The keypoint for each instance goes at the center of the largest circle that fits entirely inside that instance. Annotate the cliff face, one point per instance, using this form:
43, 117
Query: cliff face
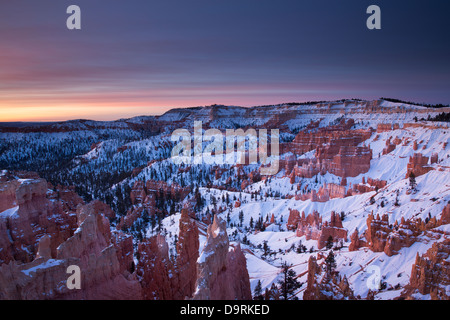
445, 216
155, 269
404, 235
325, 193
356, 241
30, 215
222, 272
219, 273
313, 228
293, 219
346, 161
48, 230
143, 196
102, 274
418, 164
337, 151
377, 232
390, 238
430, 273
164, 277
187, 250
321, 286
333, 230
309, 226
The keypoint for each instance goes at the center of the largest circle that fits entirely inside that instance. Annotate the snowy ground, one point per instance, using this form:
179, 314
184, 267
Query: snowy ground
433, 193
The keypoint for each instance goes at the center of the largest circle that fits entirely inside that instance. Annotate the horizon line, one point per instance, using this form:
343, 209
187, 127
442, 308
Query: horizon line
292, 103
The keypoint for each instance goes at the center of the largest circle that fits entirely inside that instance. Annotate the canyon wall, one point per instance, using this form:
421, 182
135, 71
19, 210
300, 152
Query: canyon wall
222, 272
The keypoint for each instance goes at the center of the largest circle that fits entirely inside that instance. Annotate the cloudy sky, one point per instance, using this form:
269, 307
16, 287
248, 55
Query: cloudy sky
140, 57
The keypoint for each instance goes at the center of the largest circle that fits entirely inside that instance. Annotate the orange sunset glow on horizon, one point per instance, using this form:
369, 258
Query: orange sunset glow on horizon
53, 107
100, 111
144, 58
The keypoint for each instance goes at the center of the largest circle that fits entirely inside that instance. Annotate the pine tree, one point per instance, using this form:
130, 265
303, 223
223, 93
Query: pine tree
172, 209
412, 181
263, 226
258, 224
266, 248
289, 283
330, 263
258, 292
329, 243
145, 216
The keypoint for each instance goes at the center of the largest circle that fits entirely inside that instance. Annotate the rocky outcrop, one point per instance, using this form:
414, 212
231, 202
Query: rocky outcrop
331, 190
333, 230
236, 276
384, 127
418, 164
8, 187
133, 214
309, 226
383, 237
222, 272
66, 195
389, 147
90, 248
293, 220
377, 232
325, 193
376, 183
140, 191
445, 216
337, 151
164, 277
212, 259
307, 168
404, 234
155, 270
144, 197
313, 228
348, 161
313, 137
187, 254
35, 214
272, 219
430, 273
219, 273
351, 161
51, 229
247, 179
356, 241
123, 243
321, 286
103, 276
288, 164
312, 291
335, 191
434, 158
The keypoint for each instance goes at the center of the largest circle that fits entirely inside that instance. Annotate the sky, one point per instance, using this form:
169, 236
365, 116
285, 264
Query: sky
144, 57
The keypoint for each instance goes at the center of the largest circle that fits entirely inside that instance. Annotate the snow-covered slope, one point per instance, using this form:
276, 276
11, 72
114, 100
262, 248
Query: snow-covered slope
107, 160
